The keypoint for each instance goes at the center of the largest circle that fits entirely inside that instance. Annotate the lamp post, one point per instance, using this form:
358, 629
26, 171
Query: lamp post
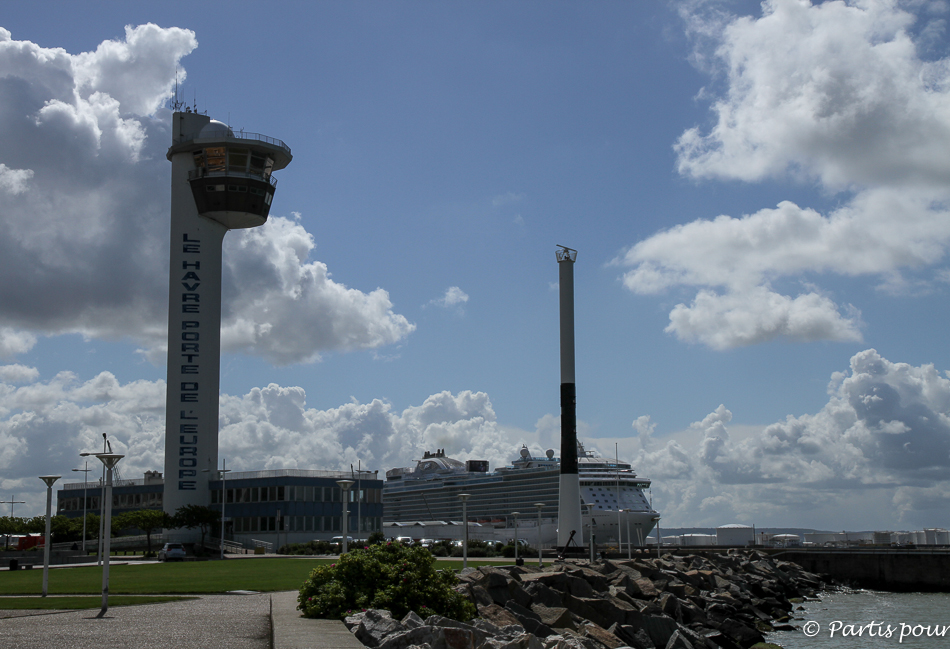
224, 497
539, 506
109, 460
590, 511
516, 515
464, 498
359, 498
629, 538
345, 487
49, 480
85, 480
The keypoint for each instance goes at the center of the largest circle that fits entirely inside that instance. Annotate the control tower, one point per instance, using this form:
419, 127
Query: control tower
221, 180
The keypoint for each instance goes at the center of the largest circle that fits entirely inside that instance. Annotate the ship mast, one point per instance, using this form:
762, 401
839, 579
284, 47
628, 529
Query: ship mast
570, 525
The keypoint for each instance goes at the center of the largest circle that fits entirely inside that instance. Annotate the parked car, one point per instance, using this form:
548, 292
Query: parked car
172, 552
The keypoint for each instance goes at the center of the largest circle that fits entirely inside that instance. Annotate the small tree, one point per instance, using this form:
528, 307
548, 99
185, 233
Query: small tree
147, 520
11, 525
192, 516
35, 525
389, 576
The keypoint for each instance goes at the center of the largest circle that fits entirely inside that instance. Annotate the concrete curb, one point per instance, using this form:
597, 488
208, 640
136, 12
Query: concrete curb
291, 631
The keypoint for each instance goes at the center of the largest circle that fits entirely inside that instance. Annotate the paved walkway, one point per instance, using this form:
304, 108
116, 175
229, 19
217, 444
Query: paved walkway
210, 622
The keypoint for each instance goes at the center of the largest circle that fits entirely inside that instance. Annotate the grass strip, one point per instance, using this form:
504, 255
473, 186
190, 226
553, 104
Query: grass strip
70, 603
188, 577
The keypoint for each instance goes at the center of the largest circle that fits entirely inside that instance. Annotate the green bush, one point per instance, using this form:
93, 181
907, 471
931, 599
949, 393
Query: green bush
524, 551
391, 577
309, 548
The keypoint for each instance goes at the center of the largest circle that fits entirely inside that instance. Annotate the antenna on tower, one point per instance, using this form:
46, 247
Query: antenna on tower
178, 104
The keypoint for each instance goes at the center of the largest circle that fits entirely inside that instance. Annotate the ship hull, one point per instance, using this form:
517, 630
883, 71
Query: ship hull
432, 509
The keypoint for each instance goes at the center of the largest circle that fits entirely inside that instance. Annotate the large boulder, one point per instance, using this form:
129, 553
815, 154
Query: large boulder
498, 616
556, 617
375, 626
602, 636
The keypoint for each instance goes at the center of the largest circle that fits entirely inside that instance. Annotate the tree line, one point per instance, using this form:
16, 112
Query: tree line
144, 521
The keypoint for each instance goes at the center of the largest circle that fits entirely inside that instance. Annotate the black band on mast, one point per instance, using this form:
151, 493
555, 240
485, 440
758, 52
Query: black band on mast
568, 429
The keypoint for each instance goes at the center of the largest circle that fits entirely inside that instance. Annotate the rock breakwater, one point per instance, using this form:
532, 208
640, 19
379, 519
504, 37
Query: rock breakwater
715, 601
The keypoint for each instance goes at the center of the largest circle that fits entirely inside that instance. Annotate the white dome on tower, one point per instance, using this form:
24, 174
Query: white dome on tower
215, 129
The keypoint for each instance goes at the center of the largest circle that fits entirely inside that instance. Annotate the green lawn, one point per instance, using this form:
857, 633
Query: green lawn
67, 603
188, 577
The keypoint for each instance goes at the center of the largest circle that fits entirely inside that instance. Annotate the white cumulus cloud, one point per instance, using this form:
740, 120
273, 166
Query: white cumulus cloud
877, 455
453, 297
836, 93
45, 424
84, 178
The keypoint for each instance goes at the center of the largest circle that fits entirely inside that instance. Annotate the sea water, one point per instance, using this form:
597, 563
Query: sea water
862, 619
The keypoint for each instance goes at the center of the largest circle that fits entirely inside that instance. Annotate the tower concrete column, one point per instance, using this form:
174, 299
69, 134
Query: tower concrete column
220, 181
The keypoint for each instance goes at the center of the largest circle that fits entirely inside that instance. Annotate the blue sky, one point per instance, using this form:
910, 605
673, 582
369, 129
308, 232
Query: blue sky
757, 194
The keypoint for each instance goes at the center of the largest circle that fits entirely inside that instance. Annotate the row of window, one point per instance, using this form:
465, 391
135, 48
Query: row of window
297, 493
119, 501
245, 524
219, 159
241, 189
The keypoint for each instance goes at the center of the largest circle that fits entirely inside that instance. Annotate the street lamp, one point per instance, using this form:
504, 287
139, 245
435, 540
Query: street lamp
49, 480
345, 486
590, 510
464, 498
539, 506
109, 460
224, 497
85, 480
516, 515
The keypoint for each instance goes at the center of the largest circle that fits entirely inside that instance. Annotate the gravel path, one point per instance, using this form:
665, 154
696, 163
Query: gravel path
211, 622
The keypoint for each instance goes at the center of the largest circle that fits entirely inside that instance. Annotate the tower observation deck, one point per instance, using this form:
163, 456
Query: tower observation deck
221, 180
231, 178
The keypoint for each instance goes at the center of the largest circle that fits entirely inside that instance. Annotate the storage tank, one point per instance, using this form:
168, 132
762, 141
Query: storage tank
735, 535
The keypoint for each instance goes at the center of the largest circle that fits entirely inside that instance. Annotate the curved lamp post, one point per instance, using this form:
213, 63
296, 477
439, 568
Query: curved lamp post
464, 498
539, 506
345, 487
109, 460
49, 480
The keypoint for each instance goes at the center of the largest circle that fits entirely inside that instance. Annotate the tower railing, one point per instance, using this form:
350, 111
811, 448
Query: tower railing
241, 135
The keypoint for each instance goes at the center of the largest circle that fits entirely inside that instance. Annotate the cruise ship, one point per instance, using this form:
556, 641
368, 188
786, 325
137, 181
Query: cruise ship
424, 500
